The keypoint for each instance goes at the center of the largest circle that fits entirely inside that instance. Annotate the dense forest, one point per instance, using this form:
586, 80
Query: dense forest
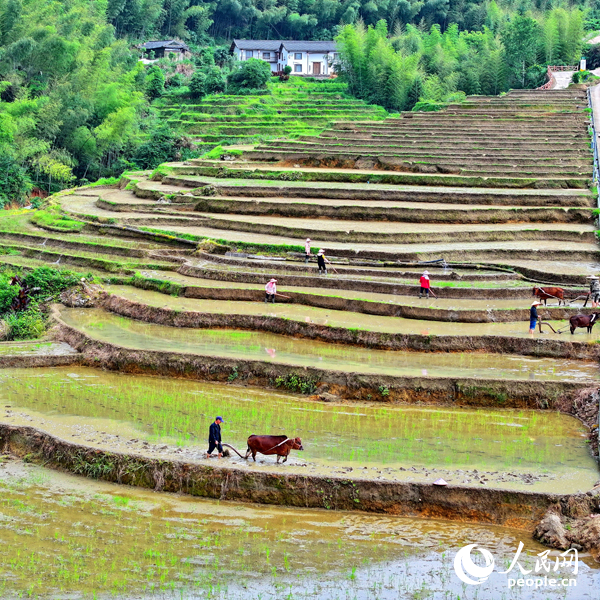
425, 69
77, 105
201, 21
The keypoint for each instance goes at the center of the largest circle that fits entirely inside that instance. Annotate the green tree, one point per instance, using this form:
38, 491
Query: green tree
14, 182
215, 81
520, 37
197, 85
251, 74
155, 82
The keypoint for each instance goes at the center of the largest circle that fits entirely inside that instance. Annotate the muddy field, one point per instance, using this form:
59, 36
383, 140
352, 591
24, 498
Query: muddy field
64, 537
161, 417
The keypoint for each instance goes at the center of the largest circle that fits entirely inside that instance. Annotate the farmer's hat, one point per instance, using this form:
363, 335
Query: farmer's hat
592, 277
273, 280
321, 251
535, 303
425, 272
308, 239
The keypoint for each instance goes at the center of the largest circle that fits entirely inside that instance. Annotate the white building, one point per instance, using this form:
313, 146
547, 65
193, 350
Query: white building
305, 58
267, 50
308, 58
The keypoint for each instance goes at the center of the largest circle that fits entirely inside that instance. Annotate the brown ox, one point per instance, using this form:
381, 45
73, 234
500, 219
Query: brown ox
543, 293
587, 321
272, 444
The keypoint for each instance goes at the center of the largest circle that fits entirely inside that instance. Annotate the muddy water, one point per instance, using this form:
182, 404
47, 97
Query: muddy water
65, 537
515, 448
278, 268
157, 299
557, 266
360, 321
270, 347
36, 348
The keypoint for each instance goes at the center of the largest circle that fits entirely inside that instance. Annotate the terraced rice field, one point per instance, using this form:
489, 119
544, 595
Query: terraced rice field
515, 449
492, 196
291, 109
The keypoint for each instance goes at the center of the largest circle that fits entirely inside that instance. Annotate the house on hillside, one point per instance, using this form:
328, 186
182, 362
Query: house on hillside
164, 48
267, 50
316, 59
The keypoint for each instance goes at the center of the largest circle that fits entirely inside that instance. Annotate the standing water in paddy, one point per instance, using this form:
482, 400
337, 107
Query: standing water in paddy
66, 537
270, 347
86, 405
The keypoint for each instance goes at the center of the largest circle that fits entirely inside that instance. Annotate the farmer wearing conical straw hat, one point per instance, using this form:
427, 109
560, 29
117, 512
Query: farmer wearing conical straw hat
271, 290
594, 290
533, 316
321, 259
307, 250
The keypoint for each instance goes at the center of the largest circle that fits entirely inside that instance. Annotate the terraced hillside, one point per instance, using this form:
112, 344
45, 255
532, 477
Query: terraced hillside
291, 109
499, 181
510, 215
523, 134
389, 391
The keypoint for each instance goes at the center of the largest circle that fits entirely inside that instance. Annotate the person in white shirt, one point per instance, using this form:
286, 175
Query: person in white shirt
307, 250
270, 291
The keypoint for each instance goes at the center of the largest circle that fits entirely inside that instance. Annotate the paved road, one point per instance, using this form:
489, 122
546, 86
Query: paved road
563, 79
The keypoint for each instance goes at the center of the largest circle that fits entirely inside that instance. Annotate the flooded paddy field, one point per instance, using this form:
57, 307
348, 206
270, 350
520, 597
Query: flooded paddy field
36, 348
339, 318
517, 449
280, 349
468, 304
65, 537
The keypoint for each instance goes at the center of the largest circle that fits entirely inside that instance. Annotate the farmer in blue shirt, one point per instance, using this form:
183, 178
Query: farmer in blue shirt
533, 316
214, 437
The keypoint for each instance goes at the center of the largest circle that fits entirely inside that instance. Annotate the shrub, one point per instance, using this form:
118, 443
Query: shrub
198, 85
215, 82
217, 152
7, 292
162, 146
252, 74
51, 281
176, 80
26, 325
155, 82
14, 182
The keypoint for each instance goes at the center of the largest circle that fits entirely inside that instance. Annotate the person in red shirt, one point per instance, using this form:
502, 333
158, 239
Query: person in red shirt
425, 284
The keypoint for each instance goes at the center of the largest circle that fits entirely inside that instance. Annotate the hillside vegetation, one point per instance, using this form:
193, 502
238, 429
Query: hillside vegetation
76, 105
291, 109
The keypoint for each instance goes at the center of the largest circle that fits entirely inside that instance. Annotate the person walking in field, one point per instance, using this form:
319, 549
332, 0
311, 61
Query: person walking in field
533, 316
595, 290
425, 284
321, 260
307, 250
214, 438
270, 291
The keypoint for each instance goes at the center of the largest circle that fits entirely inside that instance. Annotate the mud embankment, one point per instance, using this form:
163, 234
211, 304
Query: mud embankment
584, 405
533, 275
517, 509
24, 360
